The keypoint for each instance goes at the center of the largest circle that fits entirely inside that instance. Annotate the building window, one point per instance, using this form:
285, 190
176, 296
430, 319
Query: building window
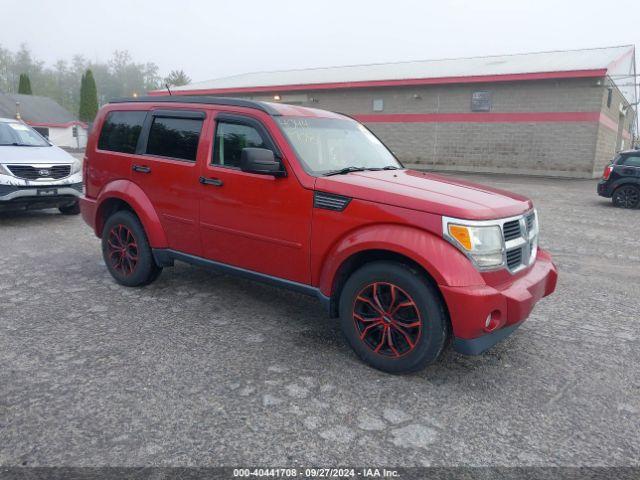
174, 137
378, 105
481, 101
609, 96
121, 131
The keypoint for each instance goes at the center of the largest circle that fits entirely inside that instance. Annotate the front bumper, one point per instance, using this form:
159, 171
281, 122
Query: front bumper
508, 304
13, 197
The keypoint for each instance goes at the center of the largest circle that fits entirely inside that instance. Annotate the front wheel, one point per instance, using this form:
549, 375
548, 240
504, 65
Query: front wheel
393, 317
627, 196
126, 251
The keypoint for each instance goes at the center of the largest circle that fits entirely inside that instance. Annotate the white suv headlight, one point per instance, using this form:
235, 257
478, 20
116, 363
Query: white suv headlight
483, 244
5, 171
76, 166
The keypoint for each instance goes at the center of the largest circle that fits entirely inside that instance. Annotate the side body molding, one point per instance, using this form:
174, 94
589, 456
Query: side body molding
131, 193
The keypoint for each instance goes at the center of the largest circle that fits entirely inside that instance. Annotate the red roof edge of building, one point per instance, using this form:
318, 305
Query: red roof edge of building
395, 83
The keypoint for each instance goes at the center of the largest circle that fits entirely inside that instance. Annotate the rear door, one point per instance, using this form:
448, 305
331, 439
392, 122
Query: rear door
167, 170
116, 146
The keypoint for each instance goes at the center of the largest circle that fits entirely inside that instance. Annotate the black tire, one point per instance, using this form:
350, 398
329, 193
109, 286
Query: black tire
626, 196
73, 209
397, 355
126, 250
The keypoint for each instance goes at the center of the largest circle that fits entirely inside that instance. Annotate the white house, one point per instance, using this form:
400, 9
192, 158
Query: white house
47, 117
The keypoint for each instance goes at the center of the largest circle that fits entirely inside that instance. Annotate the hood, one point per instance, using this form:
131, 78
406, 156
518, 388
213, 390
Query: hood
427, 192
29, 155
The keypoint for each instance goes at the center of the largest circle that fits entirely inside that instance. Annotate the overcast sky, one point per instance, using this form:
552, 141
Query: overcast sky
210, 39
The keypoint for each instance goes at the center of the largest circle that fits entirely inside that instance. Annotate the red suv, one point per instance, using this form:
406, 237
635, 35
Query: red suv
312, 201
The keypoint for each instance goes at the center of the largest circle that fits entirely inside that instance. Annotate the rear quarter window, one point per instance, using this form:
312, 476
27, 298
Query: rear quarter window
121, 130
631, 161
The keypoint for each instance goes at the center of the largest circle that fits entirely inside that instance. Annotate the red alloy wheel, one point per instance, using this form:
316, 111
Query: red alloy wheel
122, 249
387, 319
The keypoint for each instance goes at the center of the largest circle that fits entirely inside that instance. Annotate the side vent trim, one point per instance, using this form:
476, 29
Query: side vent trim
330, 201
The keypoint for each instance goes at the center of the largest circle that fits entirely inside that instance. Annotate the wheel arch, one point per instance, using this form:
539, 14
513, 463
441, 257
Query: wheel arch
626, 182
436, 259
126, 195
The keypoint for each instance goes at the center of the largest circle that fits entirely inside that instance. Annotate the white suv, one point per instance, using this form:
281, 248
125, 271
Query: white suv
34, 173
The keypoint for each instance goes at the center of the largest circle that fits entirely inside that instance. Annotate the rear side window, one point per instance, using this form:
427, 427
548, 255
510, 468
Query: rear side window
231, 138
631, 162
121, 130
174, 137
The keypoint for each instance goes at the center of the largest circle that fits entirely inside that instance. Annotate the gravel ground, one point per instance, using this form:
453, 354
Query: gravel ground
204, 369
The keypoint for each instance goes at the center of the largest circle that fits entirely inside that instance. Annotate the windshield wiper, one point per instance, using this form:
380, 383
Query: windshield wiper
346, 170
16, 144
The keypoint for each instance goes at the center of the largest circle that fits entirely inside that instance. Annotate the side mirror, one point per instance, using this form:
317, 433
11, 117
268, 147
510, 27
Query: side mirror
262, 161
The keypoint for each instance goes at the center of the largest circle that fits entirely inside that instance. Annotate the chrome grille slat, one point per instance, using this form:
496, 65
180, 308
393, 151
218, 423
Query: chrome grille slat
529, 221
511, 230
520, 241
514, 258
519, 234
34, 172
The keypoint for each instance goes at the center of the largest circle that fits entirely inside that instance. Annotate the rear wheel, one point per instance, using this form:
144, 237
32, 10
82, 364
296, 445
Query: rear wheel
73, 209
126, 251
393, 317
627, 196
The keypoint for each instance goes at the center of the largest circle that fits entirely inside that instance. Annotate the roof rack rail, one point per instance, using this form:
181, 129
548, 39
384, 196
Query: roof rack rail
204, 99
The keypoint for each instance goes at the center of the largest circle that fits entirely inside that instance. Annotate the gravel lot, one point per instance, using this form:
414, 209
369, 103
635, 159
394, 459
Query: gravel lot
204, 369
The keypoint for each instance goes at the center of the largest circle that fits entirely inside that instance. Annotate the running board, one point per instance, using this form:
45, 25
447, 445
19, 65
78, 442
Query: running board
165, 257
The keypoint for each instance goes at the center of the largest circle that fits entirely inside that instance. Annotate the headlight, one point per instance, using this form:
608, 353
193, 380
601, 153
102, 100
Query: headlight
76, 166
481, 243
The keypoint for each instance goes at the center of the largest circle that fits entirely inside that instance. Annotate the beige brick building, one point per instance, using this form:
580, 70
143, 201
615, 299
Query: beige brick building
553, 113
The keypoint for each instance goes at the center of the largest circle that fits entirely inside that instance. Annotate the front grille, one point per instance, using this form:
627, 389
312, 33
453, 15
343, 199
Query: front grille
530, 219
514, 258
511, 230
30, 172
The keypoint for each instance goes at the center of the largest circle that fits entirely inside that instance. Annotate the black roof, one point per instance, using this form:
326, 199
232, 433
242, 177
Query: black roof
34, 108
205, 99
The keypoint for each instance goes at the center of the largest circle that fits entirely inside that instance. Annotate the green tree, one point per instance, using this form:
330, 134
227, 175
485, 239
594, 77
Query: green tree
24, 85
88, 97
177, 78
121, 76
82, 109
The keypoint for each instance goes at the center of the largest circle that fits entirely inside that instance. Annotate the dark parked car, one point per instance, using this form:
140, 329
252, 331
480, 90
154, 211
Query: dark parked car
621, 180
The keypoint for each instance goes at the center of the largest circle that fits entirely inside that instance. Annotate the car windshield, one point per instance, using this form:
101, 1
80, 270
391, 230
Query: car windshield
21, 135
333, 145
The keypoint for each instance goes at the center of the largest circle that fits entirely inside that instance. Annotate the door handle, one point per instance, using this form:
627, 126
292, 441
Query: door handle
141, 169
216, 182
